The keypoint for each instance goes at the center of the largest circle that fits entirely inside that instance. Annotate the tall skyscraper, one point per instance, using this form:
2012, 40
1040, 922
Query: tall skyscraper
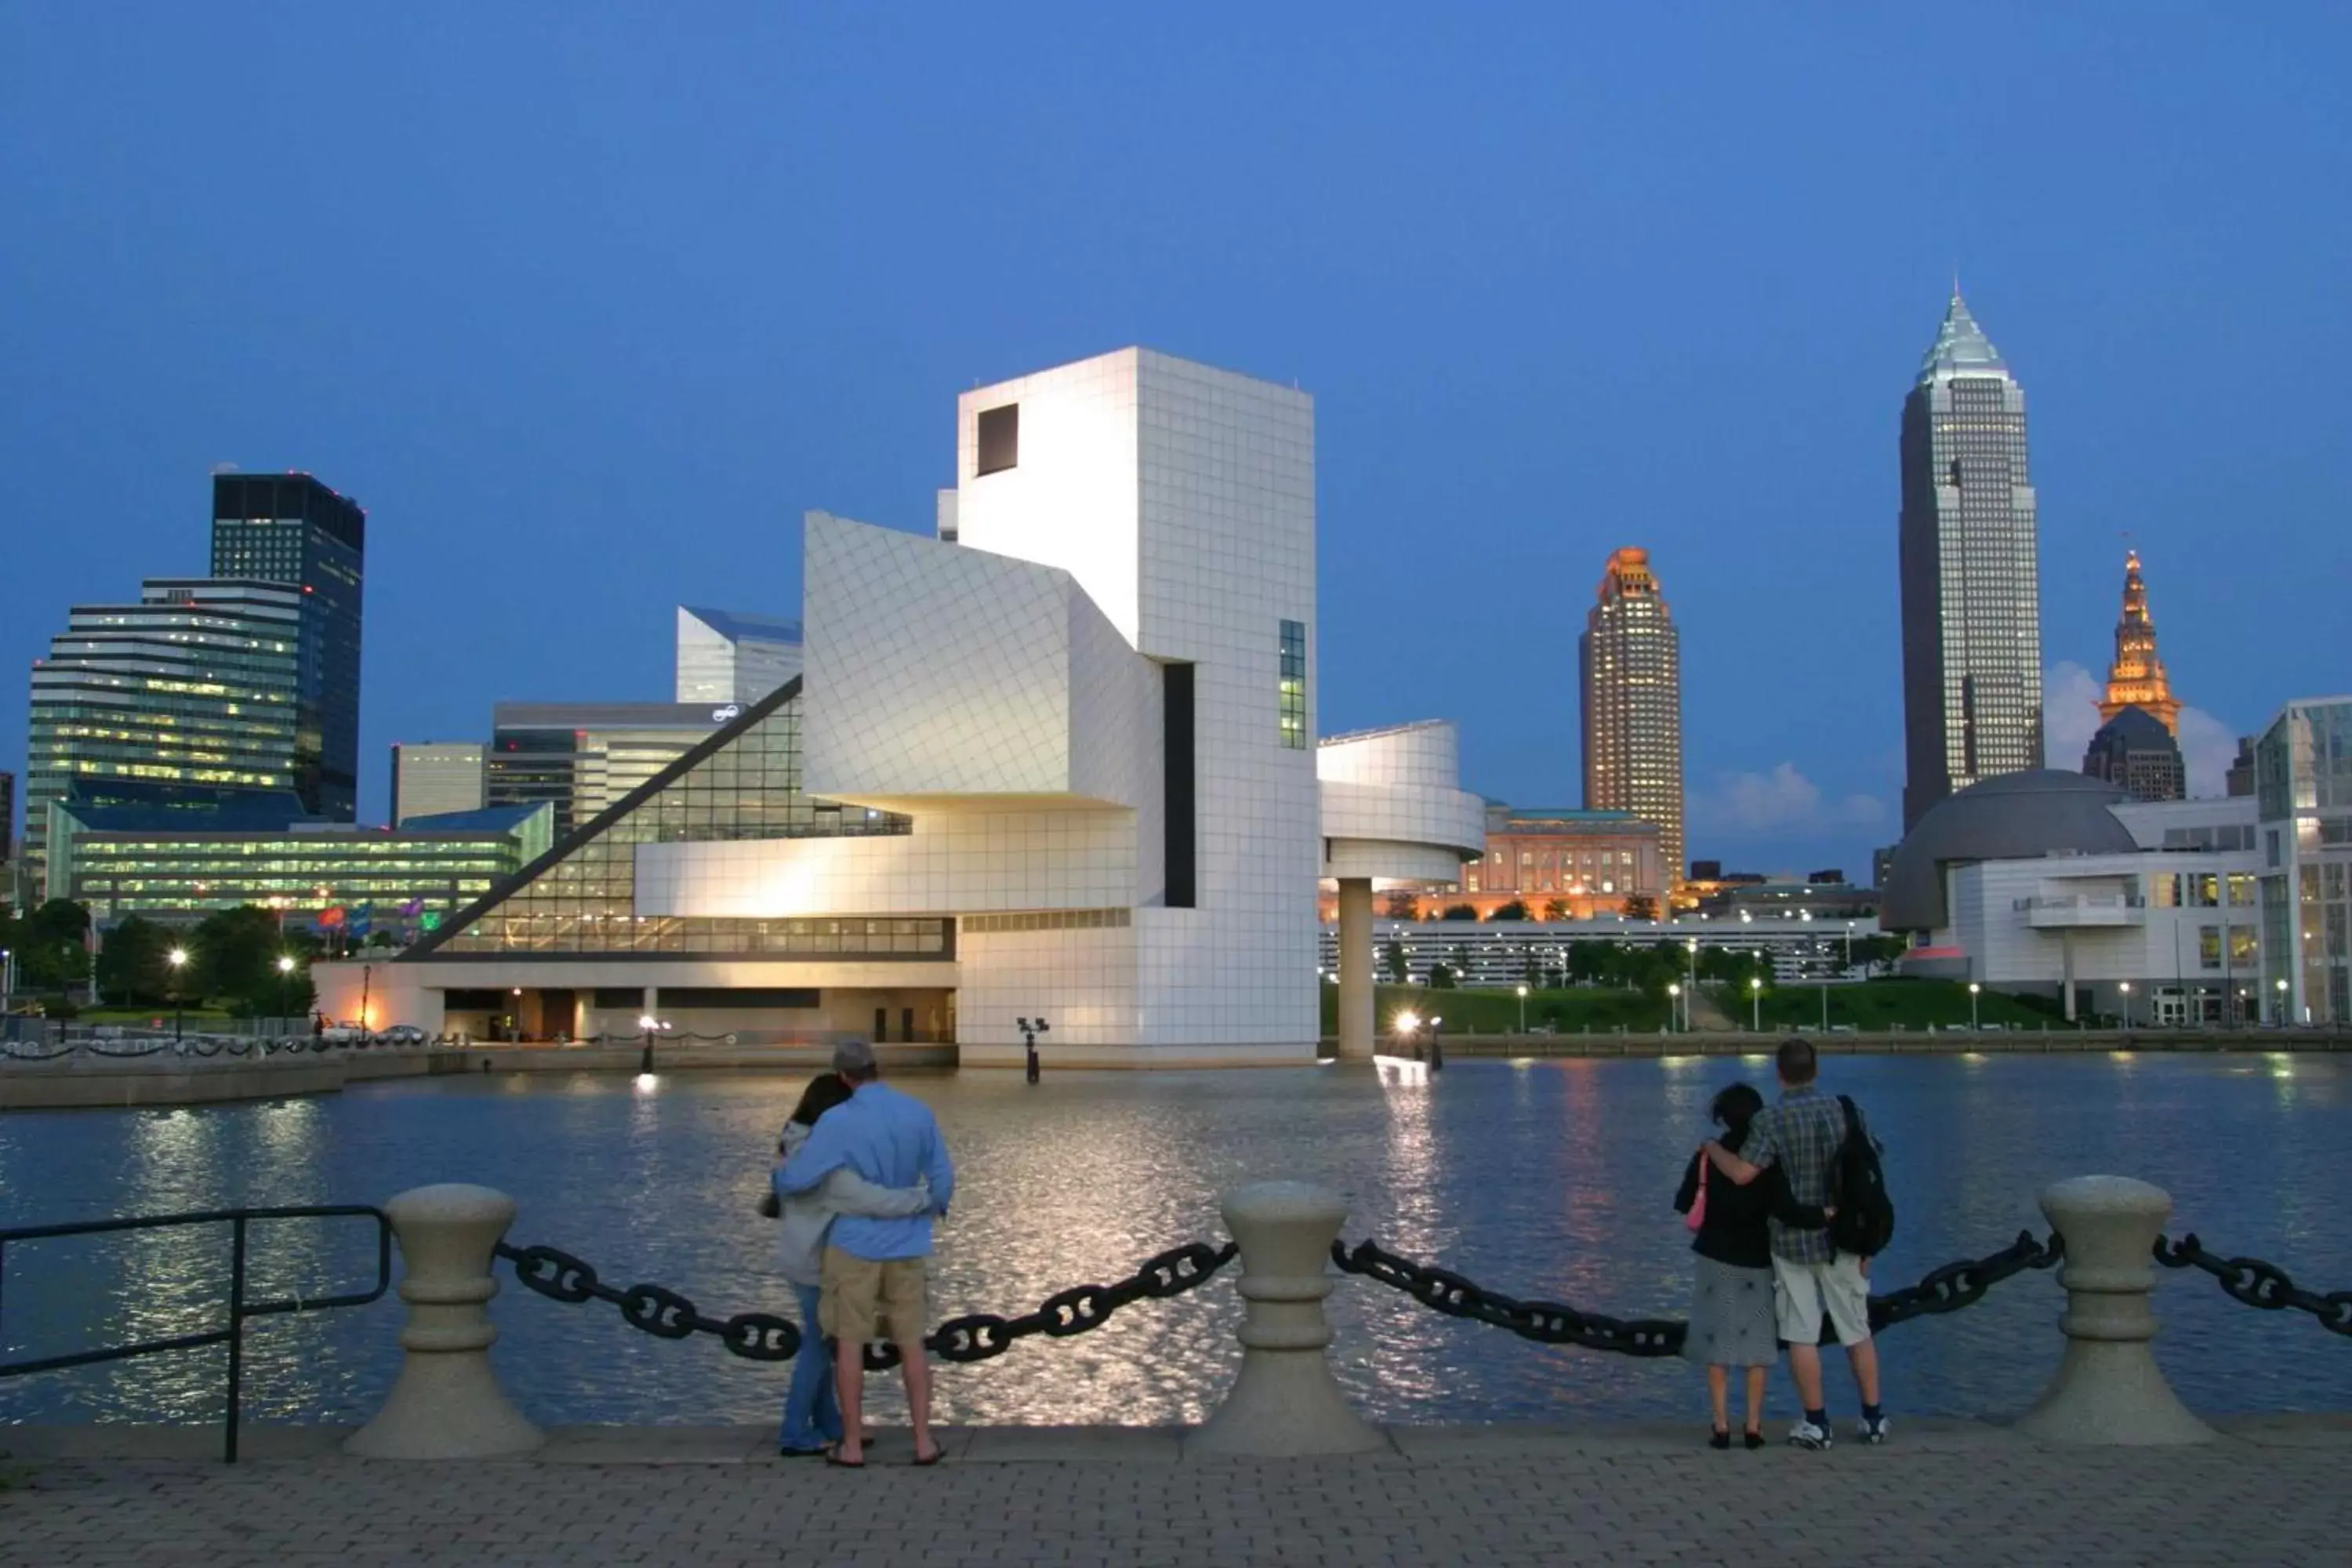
433, 778
2136, 679
8, 823
725, 658
195, 685
289, 528
1971, 573
2134, 751
1631, 658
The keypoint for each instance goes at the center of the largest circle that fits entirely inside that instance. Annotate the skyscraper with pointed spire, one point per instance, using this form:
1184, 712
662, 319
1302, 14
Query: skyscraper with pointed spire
1970, 572
2136, 679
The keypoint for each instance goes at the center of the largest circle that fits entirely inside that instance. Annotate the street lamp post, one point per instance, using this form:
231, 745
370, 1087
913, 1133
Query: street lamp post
1523, 1009
2128, 1016
178, 959
1973, 989
2282, 1000
1436, 1046
647, 1024
1030, 1029
286, 991
1825, 1004
1673, 1007
1754, 1004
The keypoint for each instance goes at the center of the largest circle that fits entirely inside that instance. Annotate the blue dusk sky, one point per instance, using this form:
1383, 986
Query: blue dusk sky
587, 303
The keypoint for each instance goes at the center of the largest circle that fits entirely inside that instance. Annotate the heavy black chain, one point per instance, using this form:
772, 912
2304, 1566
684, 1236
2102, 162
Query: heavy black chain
1946, 1289
1964, 1283
1546, 1322
2258, 1284
761, 1336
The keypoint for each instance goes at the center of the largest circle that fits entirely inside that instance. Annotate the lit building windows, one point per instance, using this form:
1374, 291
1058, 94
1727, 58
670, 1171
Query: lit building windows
1293, 685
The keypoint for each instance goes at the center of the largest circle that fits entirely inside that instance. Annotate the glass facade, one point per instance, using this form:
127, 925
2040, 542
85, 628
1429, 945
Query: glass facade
1971, 567
290, 529
197, 684
1630, 664
742, 783
2303, 787
1293, 685
168, 877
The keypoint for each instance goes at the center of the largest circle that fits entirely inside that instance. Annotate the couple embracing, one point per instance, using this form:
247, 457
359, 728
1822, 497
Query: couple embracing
1789, 1206
862, 1172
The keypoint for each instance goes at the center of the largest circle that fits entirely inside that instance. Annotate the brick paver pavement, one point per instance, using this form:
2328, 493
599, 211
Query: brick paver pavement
1957, 1494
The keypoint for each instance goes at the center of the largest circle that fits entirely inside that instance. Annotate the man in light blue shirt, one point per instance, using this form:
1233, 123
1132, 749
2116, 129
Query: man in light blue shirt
873, 1276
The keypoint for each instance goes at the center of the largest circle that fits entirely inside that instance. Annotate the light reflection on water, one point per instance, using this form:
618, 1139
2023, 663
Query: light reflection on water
1547, 1179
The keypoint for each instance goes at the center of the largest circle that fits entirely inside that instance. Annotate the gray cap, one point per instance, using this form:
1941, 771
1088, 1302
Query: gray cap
853, 1059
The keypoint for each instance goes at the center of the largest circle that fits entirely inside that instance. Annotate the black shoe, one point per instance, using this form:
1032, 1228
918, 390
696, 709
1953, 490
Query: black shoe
1718, 1438
1753, 1439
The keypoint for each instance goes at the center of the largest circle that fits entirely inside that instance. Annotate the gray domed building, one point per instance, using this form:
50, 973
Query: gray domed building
2060, 885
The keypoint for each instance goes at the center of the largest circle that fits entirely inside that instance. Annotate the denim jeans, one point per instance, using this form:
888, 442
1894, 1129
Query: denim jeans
812, 1410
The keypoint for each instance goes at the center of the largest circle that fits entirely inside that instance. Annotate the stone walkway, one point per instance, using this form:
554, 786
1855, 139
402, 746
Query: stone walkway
1943, 1493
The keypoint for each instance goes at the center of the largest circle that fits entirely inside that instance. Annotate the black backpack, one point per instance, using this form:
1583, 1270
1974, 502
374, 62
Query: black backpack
1866, 1215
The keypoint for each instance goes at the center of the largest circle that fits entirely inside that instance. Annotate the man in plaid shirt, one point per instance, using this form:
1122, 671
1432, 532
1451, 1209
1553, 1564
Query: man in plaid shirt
1801, 1136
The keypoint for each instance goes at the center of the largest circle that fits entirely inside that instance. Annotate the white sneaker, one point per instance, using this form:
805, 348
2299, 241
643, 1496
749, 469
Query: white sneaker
1805, 1435
1870, 1431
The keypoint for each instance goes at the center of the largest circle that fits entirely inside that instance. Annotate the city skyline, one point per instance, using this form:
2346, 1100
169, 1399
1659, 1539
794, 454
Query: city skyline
564, 428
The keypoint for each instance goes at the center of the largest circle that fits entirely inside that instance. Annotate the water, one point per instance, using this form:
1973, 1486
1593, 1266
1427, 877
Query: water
1543, 1179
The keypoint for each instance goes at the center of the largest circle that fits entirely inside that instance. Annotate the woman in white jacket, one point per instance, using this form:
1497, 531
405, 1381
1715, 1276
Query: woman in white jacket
812, 1409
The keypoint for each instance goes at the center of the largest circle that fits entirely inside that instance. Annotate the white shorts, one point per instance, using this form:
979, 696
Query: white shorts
1802, 1291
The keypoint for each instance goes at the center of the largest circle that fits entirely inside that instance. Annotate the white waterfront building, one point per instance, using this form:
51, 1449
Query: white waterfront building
1056, 759
2059, 885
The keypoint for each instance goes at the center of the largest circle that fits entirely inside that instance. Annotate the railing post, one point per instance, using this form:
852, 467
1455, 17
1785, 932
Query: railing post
1285, 1403
2108, 1389
447, 1404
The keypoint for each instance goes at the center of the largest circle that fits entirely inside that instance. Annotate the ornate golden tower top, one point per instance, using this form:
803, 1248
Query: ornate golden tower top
2137, 679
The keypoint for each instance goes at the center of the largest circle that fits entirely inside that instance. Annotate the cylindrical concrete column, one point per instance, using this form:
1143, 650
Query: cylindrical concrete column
446, 1403
2108, 1388
1285, 1403
1356, 1022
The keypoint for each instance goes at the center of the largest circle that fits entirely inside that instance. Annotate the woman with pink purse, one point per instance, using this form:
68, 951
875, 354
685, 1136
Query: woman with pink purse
1731, 1319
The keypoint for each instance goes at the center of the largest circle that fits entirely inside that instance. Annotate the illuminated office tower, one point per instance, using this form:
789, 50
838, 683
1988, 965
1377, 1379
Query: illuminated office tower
1970, 572
289, 528
193, 686
1630, 659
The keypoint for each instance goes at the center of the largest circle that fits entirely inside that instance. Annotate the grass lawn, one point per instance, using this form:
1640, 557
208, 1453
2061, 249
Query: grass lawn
1882, 1004
1497, 1012
191, 1017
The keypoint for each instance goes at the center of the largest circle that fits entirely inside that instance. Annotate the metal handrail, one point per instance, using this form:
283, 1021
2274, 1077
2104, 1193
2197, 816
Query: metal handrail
239, 1308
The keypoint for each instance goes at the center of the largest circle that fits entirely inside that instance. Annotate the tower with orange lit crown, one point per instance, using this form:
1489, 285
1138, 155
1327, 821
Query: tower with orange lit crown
2136, 678
1632, 688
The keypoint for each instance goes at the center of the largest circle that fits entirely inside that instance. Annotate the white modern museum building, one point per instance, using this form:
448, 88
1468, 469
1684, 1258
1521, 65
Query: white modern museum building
1058, 763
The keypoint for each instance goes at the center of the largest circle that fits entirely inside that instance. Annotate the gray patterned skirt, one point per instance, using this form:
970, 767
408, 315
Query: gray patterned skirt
1731, 1320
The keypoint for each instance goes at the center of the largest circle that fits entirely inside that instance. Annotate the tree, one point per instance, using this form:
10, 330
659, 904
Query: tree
1401, 905
1461, 911
1871, 952
1640, 907
1393, 959
235, 954
1441, 977
133, 964
1555, 910
50, 946
1514, 910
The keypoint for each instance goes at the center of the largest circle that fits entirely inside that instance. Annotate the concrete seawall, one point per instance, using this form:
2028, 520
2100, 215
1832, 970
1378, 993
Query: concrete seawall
1903, 1042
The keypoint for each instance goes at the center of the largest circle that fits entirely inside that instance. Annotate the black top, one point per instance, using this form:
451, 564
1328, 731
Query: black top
1734, 1230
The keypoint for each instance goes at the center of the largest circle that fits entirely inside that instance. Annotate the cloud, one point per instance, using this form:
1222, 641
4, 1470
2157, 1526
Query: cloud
2070, 716
1782, 801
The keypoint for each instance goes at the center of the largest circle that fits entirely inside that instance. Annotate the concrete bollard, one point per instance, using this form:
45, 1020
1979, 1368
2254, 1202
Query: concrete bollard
446, 1403
2108, 1389
1285, 1403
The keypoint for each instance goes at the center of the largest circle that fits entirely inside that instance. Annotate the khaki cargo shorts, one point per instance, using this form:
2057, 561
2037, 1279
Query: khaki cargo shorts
861, 1300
